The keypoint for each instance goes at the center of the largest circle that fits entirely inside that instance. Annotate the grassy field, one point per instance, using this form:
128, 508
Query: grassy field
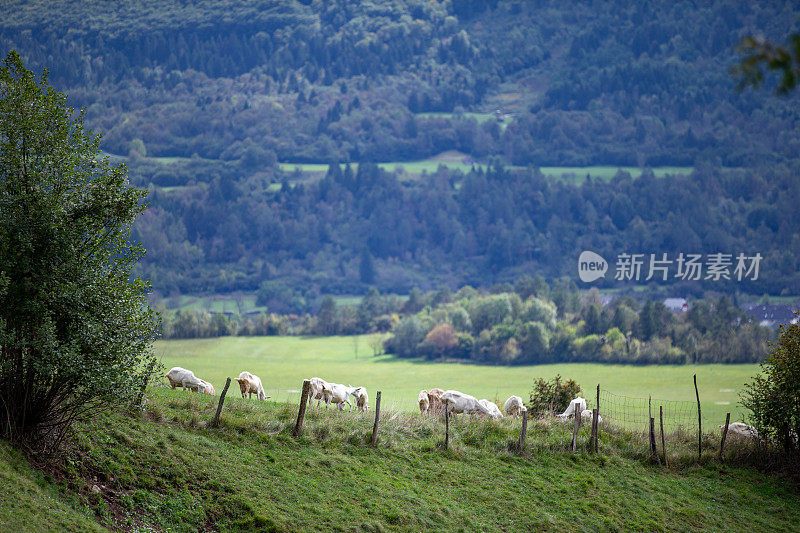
479, 117
163, 469
29, 502
430, 165
459, 161
451, 159
237, 303
578, 174
283, 363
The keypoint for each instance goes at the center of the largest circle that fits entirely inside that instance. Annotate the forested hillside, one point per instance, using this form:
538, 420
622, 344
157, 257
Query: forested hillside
204, 99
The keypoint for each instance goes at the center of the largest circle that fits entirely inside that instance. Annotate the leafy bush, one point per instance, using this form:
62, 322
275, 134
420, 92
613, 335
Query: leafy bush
75, 327
408, 333
552, 396
440, 341
774, 395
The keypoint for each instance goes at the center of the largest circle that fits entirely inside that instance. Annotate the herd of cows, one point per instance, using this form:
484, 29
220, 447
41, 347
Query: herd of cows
434, 401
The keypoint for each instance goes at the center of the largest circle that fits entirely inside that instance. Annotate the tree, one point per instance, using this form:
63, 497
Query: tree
552, 396
759, 52
774, 394
327, 317
408, 333
75, 327
369, 309
366, 268
442, 339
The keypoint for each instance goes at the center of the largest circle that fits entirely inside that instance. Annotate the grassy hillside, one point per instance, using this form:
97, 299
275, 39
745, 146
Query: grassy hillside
283, 363
29, 502
164, 469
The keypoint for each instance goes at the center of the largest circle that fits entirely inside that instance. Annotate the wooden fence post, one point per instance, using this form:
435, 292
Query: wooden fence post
595, 425
699, 422
521, 443
215, 422
301, 413
653, 449
446, 425
598, 398
377, 416
724, 435
663, 442
597, 431
575, 428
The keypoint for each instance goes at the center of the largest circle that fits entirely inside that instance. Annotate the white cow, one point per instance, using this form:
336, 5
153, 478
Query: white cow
514, 406
435, 403
576, 405
315, 391
251, 384
458, 402
362, 400
209, 388
586, 416
180, 377
492, 407
740, 429
338, 394
424, 402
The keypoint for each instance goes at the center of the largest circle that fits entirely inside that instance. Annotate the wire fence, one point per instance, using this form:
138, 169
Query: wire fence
389, 401
635, 413
625, 411
620, 410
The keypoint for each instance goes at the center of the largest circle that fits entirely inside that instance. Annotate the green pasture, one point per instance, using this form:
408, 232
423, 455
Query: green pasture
219, 303
283, 363
578, 174
428, 166
431, 165
236, 304
479, 117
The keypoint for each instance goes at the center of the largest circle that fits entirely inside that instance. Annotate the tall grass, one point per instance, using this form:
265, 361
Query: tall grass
165, 468
401, 430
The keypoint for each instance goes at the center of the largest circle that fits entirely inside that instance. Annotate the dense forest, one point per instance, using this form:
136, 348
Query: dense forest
357, 229
202, 100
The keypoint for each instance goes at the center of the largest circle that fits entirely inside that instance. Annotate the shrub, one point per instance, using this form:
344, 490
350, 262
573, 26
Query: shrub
441, 340
774, 394
553, 396
407, 335
75, 327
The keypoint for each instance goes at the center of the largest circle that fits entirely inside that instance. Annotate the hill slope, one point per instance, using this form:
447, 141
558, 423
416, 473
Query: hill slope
29, 502
206, 100
166, 470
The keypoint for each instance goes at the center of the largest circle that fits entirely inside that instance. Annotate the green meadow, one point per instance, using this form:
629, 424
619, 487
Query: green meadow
283, 363
165, 468
430, 165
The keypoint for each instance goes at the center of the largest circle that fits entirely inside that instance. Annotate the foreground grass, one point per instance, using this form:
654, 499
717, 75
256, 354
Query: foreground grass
30, 502
283, 363
164, 469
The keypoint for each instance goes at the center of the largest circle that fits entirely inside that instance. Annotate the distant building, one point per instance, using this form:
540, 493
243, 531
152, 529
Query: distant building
676, 305
606, 299
771, 315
